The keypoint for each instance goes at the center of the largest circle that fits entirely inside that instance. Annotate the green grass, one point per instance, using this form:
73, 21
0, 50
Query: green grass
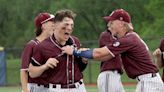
90, 74
10, 89
13, 72
93, 69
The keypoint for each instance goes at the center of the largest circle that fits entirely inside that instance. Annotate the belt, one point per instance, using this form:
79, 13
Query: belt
149, 75
74, 85
117, 71
46, 86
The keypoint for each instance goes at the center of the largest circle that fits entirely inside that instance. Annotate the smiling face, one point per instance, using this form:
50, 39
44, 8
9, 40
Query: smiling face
63, 29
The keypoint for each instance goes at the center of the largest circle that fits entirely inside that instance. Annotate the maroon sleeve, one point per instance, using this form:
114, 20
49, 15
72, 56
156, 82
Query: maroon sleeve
26, 55
37, 56
101, 42
121, 45
105, 38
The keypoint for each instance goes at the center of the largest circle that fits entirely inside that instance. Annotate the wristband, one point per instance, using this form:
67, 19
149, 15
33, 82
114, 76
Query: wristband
86, 54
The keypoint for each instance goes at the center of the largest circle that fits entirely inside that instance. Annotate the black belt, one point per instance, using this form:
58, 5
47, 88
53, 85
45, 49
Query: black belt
46, 86
68, 86
152, 75
62, 86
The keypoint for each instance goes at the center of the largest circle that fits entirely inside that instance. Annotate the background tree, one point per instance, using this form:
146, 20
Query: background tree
17, 18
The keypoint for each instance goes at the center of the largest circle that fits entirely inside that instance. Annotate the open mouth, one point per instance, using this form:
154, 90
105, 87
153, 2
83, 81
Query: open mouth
66, 33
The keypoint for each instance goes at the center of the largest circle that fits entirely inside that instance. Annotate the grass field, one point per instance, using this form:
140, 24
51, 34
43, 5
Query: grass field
90, 73
90, 76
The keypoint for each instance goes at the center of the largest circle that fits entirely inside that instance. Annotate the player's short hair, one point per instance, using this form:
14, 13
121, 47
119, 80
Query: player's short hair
61, 14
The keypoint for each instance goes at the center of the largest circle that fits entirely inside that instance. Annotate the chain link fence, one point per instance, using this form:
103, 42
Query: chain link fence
90, 73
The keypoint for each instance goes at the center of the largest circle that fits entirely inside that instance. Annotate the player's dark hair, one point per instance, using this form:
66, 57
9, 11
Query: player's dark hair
61, 14
38, 31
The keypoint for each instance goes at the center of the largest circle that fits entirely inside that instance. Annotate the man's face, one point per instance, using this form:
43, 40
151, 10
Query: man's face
111, 26
48, 27
114, 27
64, 29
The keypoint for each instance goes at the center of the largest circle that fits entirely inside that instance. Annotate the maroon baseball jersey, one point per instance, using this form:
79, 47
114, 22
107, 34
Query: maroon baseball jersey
135, 55
115, 63
162, 49
25, 60
67, 70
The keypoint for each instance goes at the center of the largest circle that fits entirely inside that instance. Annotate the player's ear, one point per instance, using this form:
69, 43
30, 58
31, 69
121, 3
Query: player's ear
43, 27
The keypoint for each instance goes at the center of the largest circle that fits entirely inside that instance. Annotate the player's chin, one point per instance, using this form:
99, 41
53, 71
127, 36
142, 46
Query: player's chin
66, 38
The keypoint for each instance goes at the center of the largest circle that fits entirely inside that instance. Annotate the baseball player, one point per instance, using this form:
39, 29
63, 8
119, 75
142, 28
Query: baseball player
109, 79
64, 71
159, 55
134, 53
44, 28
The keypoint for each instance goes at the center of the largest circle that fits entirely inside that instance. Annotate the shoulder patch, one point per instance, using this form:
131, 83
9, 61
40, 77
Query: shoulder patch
116, 44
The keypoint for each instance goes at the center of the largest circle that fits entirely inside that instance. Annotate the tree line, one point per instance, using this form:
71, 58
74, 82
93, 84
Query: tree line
17, 18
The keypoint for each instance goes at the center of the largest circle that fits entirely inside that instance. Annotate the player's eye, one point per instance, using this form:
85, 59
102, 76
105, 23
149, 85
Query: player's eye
63, 28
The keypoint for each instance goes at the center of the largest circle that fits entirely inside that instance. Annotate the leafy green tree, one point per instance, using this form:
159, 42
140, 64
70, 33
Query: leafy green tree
17, 17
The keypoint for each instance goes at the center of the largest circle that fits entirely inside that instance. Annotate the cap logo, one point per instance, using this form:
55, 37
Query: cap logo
121, 18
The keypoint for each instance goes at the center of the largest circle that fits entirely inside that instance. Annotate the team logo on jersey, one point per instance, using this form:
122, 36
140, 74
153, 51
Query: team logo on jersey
116, 44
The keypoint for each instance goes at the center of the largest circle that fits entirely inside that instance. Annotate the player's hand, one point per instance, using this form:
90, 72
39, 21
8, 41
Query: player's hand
51, 63
157, 53
83, 49
68, 49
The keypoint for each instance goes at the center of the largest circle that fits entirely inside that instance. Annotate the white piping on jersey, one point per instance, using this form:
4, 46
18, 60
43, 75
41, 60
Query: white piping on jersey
35, 61
73, 41
110, 51
35, 42
147, 48
73, 68
54, 43
67, 68
73, 72
24, 69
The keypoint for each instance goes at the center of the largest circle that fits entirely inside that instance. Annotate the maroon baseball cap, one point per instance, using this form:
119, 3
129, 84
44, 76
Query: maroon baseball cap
118, 14
42, 18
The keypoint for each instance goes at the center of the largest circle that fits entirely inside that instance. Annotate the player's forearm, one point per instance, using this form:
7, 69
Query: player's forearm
24, 80
36, 71
102, 54
96, 53
105, 58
